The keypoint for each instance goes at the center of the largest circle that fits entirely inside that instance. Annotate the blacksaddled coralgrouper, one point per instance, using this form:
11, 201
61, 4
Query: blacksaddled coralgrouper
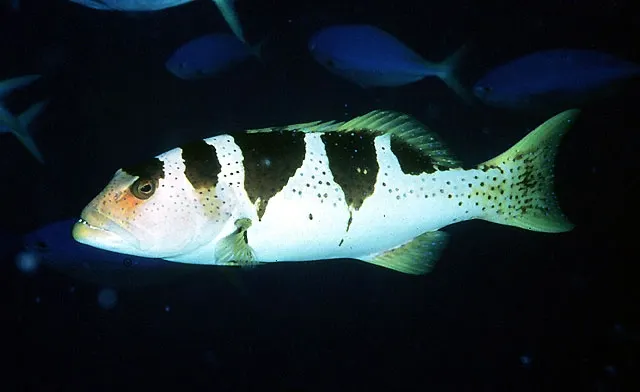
376, 188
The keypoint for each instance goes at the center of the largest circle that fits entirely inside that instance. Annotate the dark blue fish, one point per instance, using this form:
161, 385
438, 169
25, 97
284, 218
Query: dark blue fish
553, 78
371, 57
52, 246
207, 56
226, 8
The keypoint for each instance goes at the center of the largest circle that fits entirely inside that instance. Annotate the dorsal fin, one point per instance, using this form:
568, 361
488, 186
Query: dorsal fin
407, 130
402, 127
309, 127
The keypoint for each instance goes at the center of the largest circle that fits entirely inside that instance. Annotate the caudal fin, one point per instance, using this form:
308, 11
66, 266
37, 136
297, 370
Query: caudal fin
22, 131
7, 86
448, 73
524, 197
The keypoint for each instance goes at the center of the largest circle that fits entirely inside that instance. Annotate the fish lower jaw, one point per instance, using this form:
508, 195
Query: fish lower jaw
97, 230
92, 227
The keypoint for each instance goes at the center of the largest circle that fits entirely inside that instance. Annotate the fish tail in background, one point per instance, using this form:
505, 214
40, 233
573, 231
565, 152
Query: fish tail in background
23, 133
525, 198
448, 73
256, 49
229, 14
7, 86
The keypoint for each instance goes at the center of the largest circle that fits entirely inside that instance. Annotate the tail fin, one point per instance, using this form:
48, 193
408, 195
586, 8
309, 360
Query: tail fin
256, 49
448, 73
22, 132
229, 14
7, 86
526, 197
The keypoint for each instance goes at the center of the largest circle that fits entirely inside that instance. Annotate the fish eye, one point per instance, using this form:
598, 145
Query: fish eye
482, 90
143, 188
127, 262
41, 245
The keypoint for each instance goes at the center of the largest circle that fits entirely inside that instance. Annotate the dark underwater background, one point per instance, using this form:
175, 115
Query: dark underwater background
504, 310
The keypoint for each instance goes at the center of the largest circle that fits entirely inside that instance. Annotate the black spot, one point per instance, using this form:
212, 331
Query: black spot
270, 159
201, 164
152, 169
353, 162
411, 160
127, 262
310, 216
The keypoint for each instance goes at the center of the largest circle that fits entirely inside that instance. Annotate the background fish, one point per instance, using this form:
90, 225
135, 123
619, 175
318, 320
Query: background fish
52, 246
19, 126
555, 79
377, 188
226, 8
371, 57
208, 55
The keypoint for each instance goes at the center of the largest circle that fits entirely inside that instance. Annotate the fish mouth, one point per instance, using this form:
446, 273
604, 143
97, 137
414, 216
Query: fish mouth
96, 229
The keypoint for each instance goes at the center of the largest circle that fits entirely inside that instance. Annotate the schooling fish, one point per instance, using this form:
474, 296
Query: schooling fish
208, 55
225, 6
371, 57
552, 78
376, 188
19, 125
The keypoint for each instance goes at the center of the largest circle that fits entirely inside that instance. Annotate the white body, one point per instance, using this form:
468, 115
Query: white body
394, 214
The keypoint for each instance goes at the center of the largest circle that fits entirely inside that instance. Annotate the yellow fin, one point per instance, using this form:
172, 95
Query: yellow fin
233, 249
308, 127
527, 168
416, 257
407, 129
401, 126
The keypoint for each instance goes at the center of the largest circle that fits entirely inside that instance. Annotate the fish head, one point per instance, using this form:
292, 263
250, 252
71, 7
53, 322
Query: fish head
150, 210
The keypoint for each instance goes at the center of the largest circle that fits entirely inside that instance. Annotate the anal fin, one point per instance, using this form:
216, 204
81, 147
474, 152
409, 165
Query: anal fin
416, 257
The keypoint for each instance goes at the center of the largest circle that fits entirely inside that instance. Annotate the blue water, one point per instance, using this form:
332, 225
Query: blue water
505, 309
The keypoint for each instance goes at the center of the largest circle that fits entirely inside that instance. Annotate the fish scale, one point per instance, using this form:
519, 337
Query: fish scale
377, 188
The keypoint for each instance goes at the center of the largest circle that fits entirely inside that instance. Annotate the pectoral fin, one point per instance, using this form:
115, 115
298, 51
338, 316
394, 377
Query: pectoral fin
416, 257
234, 249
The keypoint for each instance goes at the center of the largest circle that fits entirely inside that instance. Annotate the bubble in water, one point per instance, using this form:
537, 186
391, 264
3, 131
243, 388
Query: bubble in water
27, 262
107, 298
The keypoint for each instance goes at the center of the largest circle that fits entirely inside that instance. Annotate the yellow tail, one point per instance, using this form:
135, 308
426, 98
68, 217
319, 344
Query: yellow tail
526, 196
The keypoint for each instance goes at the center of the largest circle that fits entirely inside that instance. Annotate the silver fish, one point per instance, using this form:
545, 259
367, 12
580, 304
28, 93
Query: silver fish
376, 188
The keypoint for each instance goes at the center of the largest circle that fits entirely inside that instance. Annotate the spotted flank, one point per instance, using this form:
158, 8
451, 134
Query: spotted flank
377, 188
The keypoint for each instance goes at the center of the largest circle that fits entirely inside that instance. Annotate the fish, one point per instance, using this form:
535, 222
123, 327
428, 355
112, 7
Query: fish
208, 55
377, 188
555, 79
226, 8
19, 125
52, 246
371, 57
